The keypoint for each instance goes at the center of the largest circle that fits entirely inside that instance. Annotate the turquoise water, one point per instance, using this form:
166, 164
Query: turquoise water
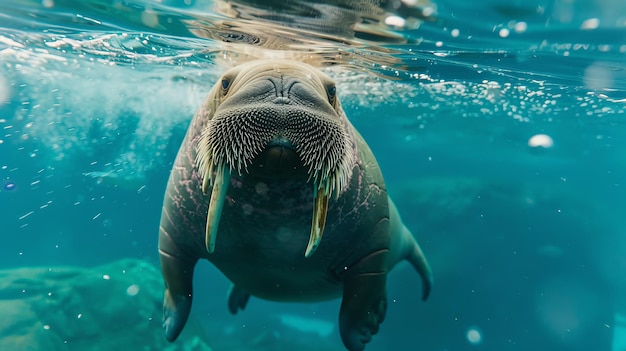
525, 235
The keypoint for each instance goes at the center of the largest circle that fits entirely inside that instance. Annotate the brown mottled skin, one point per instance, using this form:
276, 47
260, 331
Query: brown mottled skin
266, 221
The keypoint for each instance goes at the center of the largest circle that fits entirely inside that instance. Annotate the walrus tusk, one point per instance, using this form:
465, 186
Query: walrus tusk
218, 196
320, 209
206, 181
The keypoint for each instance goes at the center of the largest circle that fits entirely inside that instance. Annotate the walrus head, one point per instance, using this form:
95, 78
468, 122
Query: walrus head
281, 114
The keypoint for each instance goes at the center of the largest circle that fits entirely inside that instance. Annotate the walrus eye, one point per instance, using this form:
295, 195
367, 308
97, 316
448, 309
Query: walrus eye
225, 83
331, 91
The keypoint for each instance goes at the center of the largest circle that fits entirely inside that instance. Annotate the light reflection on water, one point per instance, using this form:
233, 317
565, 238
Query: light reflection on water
431, 37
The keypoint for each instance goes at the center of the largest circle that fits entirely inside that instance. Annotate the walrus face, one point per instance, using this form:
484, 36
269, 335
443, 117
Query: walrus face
275, 119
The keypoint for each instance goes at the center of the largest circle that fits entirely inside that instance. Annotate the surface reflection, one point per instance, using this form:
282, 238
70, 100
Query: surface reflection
320, 33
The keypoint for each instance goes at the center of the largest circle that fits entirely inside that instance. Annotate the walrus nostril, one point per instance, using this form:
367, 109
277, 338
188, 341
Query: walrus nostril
281, 100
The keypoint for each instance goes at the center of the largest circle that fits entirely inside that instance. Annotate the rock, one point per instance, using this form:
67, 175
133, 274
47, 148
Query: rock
113, 306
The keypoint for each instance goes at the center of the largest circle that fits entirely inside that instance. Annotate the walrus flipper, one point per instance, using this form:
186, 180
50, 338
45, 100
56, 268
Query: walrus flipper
404, 246
177, 271
364, 303
237, 299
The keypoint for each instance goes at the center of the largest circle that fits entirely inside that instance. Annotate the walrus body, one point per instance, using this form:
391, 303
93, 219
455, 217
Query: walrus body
269, 164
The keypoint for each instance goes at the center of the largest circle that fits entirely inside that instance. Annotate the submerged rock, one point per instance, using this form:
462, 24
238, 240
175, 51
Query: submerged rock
108, 307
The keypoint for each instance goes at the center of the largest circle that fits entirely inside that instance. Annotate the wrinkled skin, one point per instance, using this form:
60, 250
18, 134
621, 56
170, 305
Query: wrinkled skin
266, 218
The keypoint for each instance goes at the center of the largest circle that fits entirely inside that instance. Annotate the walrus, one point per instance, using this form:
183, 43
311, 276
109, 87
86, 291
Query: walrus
275, 187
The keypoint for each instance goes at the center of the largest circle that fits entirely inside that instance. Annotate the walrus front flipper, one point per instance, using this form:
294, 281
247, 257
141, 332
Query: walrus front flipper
237, 299
364, 301
177, 270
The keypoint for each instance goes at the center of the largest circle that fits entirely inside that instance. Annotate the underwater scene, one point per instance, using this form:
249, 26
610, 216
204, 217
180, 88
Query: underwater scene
498, 125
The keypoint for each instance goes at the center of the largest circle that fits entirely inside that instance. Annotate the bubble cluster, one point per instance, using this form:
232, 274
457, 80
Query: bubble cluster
111, 124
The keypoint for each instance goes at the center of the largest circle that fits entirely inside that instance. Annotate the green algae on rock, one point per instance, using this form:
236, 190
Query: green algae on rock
108, 307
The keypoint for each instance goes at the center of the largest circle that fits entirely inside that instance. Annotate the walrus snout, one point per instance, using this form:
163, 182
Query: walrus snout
241, 137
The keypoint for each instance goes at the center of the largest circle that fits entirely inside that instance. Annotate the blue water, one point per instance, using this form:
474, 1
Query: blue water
526, 242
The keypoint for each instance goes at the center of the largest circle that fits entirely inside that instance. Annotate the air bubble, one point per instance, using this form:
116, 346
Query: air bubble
474, 336
132, 290
520, 27
591, 23
541, 141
